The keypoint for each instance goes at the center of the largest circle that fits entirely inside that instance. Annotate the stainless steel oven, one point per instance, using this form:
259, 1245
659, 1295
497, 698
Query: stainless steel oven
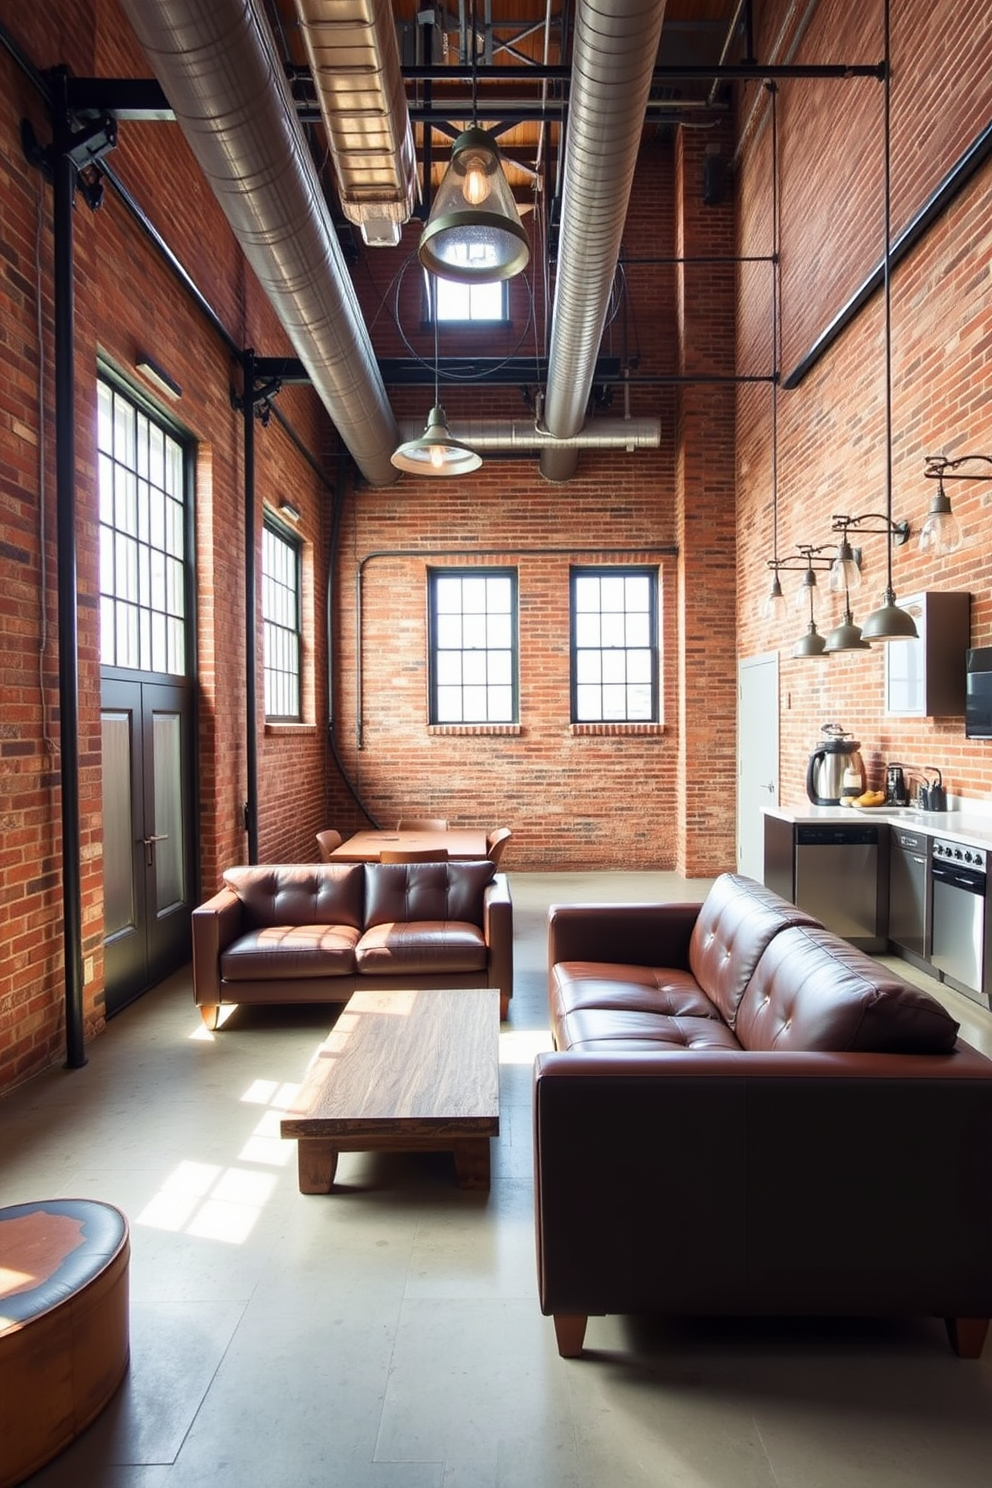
959, 946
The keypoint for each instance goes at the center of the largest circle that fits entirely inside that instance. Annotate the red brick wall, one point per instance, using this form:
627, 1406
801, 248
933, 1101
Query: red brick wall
831, 427
126, 301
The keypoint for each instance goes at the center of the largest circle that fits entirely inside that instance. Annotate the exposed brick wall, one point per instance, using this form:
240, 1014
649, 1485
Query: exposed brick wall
831, 427
126, 301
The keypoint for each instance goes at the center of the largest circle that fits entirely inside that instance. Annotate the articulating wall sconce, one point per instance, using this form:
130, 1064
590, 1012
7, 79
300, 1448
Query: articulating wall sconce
941, 531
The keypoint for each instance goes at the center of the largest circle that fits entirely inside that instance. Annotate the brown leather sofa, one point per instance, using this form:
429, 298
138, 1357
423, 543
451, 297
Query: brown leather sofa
314, 932
746, 1115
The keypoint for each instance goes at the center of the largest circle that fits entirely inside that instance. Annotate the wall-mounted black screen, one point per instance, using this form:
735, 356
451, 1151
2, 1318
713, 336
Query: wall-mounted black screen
978, 693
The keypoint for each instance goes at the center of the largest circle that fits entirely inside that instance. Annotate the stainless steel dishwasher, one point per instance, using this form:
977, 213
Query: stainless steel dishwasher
960, 949
909, 909
839, 878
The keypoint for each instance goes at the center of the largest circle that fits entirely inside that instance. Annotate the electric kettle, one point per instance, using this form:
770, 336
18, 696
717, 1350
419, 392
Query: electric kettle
838, 752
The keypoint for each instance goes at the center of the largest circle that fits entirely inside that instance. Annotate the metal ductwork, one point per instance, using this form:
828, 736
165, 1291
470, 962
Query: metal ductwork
614, 53
519, 434
215, 62
354, 57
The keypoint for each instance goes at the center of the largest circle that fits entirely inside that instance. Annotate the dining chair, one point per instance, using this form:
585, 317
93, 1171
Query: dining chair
327, 841
422, 824
413, 855
496, 841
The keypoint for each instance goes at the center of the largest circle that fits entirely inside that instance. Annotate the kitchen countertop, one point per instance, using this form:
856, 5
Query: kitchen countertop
972, 828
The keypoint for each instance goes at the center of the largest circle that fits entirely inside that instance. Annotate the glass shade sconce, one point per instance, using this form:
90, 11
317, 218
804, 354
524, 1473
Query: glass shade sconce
941, 532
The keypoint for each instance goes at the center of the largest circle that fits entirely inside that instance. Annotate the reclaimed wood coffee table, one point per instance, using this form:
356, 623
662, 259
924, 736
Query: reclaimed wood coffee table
406, 1071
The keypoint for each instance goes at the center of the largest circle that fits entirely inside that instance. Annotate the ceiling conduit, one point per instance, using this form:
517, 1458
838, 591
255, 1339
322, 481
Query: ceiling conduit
354, 57
216, 64
614, 53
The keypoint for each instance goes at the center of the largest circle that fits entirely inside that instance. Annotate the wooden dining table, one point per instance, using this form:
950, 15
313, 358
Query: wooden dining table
456, 842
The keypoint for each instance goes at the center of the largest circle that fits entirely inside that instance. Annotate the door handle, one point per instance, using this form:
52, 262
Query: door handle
149, 844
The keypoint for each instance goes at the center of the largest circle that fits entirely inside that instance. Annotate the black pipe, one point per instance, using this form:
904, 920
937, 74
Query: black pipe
64, 180
251, 648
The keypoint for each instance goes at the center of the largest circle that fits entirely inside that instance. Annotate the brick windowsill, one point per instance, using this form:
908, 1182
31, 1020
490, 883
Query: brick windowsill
615, 730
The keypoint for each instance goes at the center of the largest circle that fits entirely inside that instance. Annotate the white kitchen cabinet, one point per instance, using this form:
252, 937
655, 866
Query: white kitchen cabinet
925, 678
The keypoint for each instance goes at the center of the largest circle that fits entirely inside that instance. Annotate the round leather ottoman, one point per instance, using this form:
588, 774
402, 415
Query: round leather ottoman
64, 1339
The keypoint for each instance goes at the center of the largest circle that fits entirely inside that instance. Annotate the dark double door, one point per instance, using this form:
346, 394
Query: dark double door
147, 833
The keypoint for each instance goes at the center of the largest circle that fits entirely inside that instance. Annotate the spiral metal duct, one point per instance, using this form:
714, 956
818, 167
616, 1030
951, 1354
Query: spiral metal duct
520, 434
614, 53
215, 62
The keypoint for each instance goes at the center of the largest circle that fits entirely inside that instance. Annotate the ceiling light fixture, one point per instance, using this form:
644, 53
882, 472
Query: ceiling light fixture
435, 452
941, 532
888, 622
474, 234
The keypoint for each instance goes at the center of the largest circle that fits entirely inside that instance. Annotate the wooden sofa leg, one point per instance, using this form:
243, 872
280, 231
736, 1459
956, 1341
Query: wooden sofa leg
504, 1006
210, 1013
967, 1335
570, 1331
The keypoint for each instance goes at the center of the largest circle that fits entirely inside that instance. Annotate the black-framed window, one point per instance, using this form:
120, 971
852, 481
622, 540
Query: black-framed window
473, 645
281, 621
615, 647
142, 478
459, 303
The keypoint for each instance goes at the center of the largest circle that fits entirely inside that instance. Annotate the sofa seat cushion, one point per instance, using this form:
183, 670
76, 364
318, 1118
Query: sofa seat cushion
275, 952
608, 985
813, 991
606, 1031
738, 919
420, 947
300, 893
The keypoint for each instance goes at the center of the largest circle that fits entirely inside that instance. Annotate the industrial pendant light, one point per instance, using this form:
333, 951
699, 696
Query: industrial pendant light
888, 622
474, 234
436, 452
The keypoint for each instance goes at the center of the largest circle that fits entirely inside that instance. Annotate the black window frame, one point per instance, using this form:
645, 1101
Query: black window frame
436, 575
274, 626
615, 571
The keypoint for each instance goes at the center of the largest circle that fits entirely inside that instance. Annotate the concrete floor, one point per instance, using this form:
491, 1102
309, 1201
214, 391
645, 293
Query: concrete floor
388, 1334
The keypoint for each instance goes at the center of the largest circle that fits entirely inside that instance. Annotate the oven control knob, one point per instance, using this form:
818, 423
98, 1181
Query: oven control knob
957, 852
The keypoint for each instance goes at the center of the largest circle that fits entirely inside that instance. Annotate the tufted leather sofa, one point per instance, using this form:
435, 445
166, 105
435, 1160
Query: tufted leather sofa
314, 932
746, 1115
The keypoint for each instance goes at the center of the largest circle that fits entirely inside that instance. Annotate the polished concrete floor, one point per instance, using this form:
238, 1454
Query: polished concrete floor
388, 1334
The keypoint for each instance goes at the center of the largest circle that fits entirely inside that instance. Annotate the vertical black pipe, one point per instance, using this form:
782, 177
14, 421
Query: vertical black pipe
65, 484
251, 637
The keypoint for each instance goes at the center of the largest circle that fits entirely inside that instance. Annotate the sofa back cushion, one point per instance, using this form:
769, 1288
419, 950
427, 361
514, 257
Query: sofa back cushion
813, 991
300, 893
738, 919
426, 891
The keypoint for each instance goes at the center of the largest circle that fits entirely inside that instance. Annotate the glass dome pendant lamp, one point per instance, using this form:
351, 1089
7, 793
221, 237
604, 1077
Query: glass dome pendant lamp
474, 234
436, 452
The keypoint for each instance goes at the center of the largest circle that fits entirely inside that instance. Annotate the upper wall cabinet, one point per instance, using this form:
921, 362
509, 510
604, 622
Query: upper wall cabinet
925, 677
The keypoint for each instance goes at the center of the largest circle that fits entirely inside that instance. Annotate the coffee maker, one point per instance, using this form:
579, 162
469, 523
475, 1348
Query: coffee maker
838, 754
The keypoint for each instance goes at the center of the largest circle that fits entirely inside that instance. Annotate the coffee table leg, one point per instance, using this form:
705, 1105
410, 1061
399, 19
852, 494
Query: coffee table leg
318, 1160
472, 1163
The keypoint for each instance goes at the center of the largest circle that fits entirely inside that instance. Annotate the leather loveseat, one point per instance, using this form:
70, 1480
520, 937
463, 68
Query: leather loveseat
746, 1115
315, 932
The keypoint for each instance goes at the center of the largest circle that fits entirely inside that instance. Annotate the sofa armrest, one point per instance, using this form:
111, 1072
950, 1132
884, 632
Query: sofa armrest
497, 927
729, 1181
635, 934
216, 924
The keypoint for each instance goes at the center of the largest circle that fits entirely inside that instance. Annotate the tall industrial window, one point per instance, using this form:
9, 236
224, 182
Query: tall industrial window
142, 538
473, 646
615, 645
281, 622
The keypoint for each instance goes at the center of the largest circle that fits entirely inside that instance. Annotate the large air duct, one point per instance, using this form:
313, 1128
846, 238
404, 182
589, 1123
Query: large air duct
614, 53
521, 434
215, 62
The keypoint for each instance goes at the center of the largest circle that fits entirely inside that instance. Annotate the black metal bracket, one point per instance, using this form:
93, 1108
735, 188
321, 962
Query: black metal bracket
262, 396
84, 143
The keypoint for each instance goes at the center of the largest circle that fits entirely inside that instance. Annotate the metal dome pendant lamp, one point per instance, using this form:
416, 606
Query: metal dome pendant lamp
888, 622
436, 452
